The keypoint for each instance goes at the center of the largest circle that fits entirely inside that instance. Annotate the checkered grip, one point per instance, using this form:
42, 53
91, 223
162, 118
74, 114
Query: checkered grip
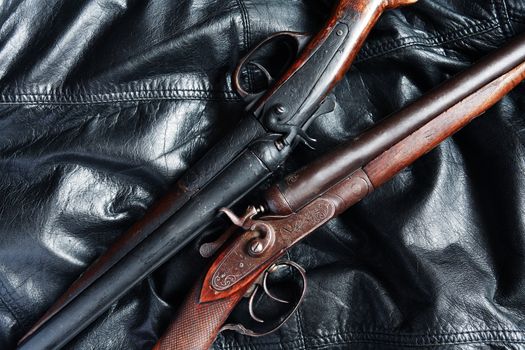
197, 324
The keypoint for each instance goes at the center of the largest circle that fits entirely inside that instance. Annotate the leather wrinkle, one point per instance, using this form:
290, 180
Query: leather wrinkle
245, 16
431, 41
457, 34
370, 255
111, 97
516, 13
503, 16
246, 24
516, 18
164, 41
369, 51
490, 336
9, 303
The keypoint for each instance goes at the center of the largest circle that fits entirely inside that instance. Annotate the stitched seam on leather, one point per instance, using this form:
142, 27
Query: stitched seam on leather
374, 49
468, 337
349, 342
141, 90
245, 17
435, 40
434, 339
241, 7
249, 42
247, 25
299, 321
204, 94
334, 343
298, 313
111, 97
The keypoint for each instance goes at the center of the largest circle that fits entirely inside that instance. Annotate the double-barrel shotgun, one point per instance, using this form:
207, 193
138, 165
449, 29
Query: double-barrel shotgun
276, 120
305, 200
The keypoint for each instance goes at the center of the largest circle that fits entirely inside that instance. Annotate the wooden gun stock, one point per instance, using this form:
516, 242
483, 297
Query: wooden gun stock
177, 218
197, 324
210, 303
404, 153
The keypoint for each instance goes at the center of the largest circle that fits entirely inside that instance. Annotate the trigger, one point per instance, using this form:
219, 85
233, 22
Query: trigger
270, 80
308, 141
250, 98
327, 106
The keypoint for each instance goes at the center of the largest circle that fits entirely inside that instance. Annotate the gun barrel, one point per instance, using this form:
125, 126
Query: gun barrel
237, 164
296, 190
194, 326
404, 153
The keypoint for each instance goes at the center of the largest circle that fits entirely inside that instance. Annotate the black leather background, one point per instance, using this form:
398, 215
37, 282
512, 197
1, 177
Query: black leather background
105, 103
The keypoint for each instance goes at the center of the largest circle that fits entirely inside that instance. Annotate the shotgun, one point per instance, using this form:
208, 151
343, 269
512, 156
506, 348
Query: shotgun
306, 200
276, 120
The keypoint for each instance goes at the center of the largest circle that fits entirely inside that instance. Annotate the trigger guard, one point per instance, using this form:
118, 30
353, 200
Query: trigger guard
241, 329
300, 40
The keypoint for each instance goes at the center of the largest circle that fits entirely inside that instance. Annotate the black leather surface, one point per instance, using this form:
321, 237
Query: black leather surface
104, 104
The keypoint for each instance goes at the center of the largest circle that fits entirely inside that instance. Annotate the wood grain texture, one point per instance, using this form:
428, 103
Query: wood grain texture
205, 311
292, 192
199, 321
197, 324
360, 16
404, 153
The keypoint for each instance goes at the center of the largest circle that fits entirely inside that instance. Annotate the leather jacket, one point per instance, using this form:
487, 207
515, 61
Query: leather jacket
104, 104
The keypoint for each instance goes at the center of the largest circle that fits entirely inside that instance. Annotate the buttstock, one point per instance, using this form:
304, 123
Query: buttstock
197, 323
312, 75
294, 100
